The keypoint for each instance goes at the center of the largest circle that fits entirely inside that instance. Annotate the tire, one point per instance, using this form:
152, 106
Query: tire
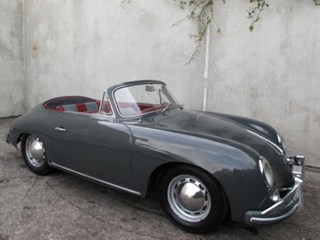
204, 206
34, 154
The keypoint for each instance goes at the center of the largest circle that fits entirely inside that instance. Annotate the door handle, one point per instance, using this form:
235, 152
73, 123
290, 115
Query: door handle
60, 129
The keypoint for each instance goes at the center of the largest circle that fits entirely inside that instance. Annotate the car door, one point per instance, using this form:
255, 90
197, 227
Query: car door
93, 145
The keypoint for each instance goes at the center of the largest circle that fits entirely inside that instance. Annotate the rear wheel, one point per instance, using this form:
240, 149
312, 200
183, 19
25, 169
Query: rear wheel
34, 154
192, 199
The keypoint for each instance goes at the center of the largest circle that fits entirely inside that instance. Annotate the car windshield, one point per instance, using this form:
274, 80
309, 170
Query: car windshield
143, 98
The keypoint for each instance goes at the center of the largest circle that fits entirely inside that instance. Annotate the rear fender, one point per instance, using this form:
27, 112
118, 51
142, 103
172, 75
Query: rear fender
39, 122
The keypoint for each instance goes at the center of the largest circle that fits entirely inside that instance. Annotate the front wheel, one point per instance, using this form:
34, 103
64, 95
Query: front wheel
192, 199
34, 154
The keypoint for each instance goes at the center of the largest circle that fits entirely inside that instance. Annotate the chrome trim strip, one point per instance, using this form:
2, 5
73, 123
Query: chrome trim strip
95, 179
100, 107
267, 140
60, 129
272, 207
266, 220
105, 93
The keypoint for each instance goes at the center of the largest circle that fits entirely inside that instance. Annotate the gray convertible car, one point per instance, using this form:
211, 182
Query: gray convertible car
139, 139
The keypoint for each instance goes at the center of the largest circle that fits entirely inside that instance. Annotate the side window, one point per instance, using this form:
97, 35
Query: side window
105, 105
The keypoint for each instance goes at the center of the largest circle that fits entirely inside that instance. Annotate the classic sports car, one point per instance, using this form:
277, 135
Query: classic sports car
139, 139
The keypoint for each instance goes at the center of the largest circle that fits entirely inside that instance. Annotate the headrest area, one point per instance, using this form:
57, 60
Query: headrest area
87, 107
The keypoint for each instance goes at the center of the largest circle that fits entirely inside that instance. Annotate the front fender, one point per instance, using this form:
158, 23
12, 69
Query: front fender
234, 165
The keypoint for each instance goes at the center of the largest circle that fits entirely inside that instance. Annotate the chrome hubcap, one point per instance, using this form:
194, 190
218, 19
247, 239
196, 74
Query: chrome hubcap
189, 198
35, 151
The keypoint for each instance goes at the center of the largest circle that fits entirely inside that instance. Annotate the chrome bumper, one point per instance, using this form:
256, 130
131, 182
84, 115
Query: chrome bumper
7, 138
284, 207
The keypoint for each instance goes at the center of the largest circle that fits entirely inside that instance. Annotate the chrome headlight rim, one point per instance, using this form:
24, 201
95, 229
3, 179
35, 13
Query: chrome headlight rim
281, 142
266, 172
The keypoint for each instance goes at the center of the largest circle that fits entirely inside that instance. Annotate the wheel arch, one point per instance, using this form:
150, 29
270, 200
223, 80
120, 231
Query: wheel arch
34, 154
155, 177
231, 181
45, 139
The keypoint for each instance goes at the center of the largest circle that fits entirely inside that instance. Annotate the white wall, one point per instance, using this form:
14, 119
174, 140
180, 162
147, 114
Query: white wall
271, 74
83, 47
11, 58
80, 47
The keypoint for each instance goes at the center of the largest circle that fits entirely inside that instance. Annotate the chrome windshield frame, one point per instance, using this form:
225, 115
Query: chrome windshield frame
105, 93
140, 114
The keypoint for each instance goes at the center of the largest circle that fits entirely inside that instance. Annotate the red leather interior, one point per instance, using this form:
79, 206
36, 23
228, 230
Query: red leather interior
81, 107
59, 108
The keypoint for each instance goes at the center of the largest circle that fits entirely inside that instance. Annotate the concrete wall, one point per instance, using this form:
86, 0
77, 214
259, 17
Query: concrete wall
82, 46
271, 74
11, 58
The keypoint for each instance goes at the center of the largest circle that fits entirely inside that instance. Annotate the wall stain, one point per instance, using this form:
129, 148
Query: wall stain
35, 49
290, 105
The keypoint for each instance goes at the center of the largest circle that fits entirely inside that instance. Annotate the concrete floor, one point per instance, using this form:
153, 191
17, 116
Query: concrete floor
62, 206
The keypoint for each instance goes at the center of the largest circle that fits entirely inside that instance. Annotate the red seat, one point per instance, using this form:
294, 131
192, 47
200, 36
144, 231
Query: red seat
59, 108
87, 107
81, 107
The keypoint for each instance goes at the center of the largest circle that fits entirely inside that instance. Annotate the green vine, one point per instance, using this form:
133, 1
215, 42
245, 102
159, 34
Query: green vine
202, 13
254, 12
124, 1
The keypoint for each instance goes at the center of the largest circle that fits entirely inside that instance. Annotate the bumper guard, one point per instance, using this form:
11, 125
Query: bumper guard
287, 206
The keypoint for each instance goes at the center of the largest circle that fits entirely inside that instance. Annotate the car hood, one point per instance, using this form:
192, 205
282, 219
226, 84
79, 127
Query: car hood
229, 129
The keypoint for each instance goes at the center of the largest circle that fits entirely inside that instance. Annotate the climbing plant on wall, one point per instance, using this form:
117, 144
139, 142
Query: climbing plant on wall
202, 13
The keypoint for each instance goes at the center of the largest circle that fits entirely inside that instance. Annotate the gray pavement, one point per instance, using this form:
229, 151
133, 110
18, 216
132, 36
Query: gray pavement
62, 206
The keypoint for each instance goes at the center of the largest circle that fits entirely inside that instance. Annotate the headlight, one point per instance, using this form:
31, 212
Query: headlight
266, 172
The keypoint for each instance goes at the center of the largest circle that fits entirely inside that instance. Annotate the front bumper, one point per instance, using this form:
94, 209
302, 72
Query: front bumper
286, 206
7, 138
